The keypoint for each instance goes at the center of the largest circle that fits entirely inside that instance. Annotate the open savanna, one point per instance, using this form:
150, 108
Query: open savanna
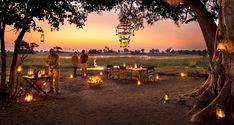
163, 64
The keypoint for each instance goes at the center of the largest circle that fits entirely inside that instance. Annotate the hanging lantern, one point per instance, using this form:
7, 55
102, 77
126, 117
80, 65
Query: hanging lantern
124, 31
42, 37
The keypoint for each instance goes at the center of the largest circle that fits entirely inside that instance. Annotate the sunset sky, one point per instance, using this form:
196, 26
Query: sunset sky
99, 31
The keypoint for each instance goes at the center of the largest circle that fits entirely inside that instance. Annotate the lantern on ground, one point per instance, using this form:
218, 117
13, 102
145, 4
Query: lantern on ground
135, 66
220, 112
182, 74
157, 77
71, 76
165, 98
28, 97
138, 82
101, 73
124, 65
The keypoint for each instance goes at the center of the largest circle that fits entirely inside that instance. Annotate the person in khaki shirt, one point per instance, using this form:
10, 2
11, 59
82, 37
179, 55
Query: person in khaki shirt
83, 63
75, 62
54, 73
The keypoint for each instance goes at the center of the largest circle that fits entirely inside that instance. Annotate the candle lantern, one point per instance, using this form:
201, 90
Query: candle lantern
221, 47
71, 76
135, 66
101, 73
30, 72
42, 72
28, 97
165, 98
220, 112
138, 82
157, 77
19, 69
182, 74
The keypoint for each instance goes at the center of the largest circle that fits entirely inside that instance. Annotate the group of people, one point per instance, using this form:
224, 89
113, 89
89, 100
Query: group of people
53, 63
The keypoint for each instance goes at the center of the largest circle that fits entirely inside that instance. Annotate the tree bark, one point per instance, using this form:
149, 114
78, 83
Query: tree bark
12, 77
206, 22
221, 89
3, 67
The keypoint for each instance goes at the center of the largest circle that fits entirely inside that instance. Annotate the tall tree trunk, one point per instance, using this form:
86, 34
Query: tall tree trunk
12, 77
208, 28
3, 67
206, 22
221, 88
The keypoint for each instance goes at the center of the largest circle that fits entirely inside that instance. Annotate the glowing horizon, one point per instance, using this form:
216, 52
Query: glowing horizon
99, 31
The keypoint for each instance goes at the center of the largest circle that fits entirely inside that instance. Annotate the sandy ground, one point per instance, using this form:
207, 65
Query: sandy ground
122, 103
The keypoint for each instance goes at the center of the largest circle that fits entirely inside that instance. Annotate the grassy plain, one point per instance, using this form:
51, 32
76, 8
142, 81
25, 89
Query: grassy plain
164, 64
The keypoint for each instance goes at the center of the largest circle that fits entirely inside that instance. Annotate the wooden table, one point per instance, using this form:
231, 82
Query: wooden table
33, 82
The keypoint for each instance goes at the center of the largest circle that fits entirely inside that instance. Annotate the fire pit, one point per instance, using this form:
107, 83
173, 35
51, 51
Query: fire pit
94, 81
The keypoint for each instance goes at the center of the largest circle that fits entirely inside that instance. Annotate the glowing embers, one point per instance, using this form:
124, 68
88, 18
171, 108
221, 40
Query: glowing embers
124, 31
94, 81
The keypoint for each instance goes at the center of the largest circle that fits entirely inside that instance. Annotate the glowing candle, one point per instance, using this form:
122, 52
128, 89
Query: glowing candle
138, 82
157, 77
166, 98
101, 73
71, 76
221, 47
135, 66
220, 112
28, 97
19, 69
182, 74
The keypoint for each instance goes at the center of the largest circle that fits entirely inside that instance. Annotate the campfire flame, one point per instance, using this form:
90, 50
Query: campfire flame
95, 81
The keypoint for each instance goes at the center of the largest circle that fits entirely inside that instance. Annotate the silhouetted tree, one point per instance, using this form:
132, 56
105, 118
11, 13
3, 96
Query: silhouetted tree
57, 49
33, 45
24, 15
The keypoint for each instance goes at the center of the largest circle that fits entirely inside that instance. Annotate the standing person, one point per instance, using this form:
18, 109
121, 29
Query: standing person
75, 63
54, 73
83, 60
